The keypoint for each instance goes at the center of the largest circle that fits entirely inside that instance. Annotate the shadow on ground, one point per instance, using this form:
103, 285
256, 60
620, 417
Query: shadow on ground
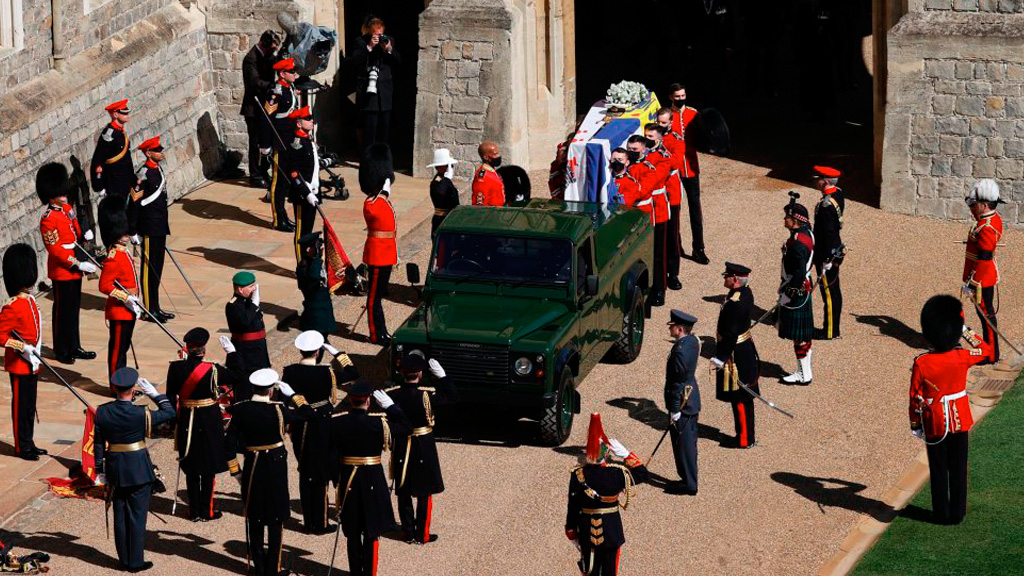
835, 493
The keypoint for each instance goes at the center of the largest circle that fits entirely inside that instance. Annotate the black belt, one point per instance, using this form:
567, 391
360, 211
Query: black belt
985, 254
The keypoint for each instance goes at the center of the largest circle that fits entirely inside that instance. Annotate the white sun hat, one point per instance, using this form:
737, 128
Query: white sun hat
442, 157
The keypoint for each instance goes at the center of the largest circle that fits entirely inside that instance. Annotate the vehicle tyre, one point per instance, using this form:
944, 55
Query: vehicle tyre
556, 423
631, 340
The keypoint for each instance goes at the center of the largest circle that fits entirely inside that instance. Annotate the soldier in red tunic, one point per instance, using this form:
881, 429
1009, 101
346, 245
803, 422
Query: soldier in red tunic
676, 146
122, 307
683, 124
652, 182
624, 189
21, 353
60, 231
488, 189
380, 253
940, 411
981, 275
662, 159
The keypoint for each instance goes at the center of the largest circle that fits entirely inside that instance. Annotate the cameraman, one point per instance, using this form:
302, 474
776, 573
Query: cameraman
373, 60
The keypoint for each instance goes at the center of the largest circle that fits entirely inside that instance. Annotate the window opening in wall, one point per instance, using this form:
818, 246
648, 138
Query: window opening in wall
12, 34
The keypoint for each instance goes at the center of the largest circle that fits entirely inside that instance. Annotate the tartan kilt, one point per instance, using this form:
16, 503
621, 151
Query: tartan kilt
797, 324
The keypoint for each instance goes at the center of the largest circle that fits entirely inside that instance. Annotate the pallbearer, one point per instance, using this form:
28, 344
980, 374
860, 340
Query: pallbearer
147, 223
123, 307
735, 354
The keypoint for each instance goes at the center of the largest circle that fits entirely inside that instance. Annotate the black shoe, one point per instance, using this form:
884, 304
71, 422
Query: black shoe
30, 455
658, 299
679, 487
407, 537
286, 227
675, 284
329, 529
700, 257
258, 183
65, 358
383, 341
164, 316
266, 198
83, 354
141, 567
431, 538
39, 451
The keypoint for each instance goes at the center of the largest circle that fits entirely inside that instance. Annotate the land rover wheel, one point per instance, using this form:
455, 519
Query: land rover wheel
556, 424
631, 340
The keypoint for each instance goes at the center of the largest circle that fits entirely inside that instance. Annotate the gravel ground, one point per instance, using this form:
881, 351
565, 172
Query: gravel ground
781, 508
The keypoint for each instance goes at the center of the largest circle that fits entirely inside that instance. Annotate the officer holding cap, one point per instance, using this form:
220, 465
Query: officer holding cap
682, 400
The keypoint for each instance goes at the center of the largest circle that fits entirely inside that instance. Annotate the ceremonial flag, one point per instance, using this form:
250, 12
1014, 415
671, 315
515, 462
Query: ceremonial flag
88, 452
336, 260
80, 484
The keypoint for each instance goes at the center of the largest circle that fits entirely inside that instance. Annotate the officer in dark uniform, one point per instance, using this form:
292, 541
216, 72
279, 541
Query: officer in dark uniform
364, 506
278, 104
194, 386
123, 463
417, 469
302, 163
147, 225
796, 310
248, 334
735, 354
592, 519
828, 221
257, 431
682, 399
443, 193
312, 445
112, 171
317, 307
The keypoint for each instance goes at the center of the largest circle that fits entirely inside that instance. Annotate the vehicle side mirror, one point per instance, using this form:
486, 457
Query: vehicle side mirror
591, 287
412, 272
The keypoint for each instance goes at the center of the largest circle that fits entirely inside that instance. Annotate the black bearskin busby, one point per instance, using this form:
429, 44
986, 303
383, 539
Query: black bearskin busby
375, 167
517, 185
942, 321
113, 220
51, 181
20, 268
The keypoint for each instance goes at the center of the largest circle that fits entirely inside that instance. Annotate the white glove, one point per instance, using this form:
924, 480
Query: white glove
827, 266
88, 236
101, 194
136, 239
285, 389
135, 305
148, 389
918, 433
718, 363
30, 352
265, 151
331, 349
435, 368
674, 417
256, 295
383, 399
312, 199
87, 267
226, 344
618, 449
101, 480
967, 290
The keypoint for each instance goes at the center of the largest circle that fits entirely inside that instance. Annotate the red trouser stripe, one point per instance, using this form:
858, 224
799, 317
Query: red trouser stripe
15, 384
116, 352
426, 521
618, 555
373, 567
742, 412
371, 296
213, 489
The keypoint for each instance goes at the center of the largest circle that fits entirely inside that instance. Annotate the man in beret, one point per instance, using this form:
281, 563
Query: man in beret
796, 306
279, 104
828, 222
148, 227
248, 333
112, 171
682, 400
735, 354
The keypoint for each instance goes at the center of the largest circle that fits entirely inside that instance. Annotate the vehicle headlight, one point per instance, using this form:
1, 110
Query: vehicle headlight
399, 347
523, 366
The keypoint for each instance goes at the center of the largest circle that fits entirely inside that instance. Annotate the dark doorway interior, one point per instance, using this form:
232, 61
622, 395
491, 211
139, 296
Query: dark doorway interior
789, 75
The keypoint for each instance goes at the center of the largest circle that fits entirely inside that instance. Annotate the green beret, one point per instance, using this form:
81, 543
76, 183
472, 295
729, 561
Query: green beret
243, 278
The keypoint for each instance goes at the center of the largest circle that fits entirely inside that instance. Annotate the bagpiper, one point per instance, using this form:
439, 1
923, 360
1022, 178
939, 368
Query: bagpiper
302, 164
828, 248
123, 462
487, 187
592, 520
112, 171
415, 465
257, 431
278, 105
380, 252
981, 275
20, 314
940, 411
248, 333
735, 354
443, 193
317, 306
796, 310
148, 226
60, 231
321, 386
122, 308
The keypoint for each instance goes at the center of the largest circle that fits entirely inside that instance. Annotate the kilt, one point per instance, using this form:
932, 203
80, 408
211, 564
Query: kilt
797, 324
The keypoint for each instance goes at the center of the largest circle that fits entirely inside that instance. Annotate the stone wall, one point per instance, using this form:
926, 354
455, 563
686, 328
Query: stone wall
955, 110
996, 6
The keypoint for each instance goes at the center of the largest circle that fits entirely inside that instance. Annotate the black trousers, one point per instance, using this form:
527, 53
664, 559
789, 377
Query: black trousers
832, 297
987, 306
278, 190
131, 508
599, 561
660, 243
258, 165
23, 410
376, 127
743, 418
67, 303
118, 343
266, 561
692, 188
377, 280
362, 555
314, 499
674, 249
305, 219
152, 252
947, 462
200, 494
418, 523
684, 447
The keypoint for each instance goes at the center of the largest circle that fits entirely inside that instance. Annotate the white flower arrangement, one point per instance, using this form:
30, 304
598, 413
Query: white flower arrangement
626, 94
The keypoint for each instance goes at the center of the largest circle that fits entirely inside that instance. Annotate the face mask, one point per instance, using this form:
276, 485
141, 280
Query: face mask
680, 103
617, 166
495, 162
633, 156
651, 143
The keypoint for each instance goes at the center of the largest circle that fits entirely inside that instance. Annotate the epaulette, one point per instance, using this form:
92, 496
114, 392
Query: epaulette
111, 253
377, 414
392, 389
108, 134
576, 468
10, 301
426, 389
735, 297
233, 300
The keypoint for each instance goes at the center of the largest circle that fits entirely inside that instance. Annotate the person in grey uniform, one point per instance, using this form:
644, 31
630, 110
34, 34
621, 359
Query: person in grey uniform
682, 399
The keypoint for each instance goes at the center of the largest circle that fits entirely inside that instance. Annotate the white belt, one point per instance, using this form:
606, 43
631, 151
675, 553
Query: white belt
946, 415
951, 397
71, 246
658, 192
149, 199
644, 202
673, 172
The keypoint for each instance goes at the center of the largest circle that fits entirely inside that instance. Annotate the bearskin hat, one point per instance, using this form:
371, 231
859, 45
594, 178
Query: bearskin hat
942, 321
113, 220
20, 268
376, 167
517, 184
51, 181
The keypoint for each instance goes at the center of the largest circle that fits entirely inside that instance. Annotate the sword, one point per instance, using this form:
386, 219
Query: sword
181, 345
763, 399
183, 276
993, 328
54, 372
145, 260
135, 358
686, 396
177, 483
809, 290
87, 255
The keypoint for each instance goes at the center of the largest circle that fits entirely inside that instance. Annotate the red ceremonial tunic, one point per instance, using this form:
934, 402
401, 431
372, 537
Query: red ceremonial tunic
677, 148
681, 124
651, 180
662, 160
488, 189
119, 266
629, 190
20, 314
60, 231
979, 260
938, 395
380, 249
